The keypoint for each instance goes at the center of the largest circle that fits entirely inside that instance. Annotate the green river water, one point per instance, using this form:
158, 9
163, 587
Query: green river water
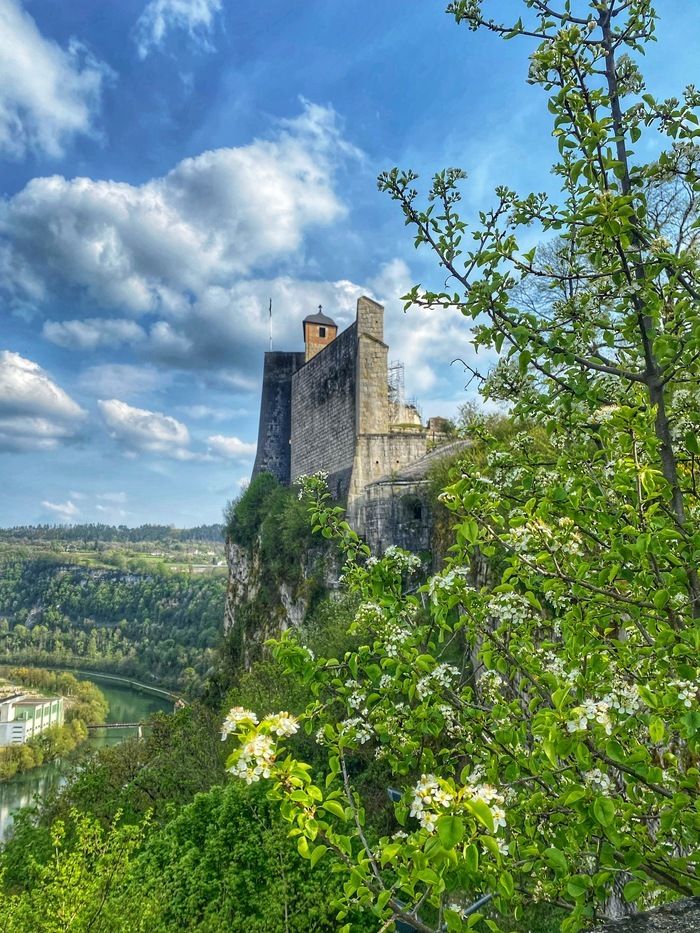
126, 704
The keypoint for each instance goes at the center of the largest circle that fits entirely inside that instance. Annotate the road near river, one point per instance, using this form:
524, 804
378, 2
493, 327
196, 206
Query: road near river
126, 704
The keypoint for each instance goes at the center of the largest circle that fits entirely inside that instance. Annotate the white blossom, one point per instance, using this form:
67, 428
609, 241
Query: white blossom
427, 799
234, 718
282, 724
443, 676
255, 759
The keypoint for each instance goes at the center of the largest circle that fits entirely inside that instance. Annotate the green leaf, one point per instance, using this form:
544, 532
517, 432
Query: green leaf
303, 847
576, 887
506, 885
661, 598
318, 854
428, 876
555, 859
632, 890
604, 810
482, 812
471, 858
450, 830
335, 807
656, 728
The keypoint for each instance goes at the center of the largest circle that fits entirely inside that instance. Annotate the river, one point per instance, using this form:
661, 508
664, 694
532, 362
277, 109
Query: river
126, 704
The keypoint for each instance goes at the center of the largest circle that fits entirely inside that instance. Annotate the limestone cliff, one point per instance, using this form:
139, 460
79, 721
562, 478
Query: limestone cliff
261, 603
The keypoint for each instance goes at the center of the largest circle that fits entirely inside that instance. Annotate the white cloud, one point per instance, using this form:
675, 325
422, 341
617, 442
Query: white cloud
116, 497
113, 511
35, 413
196, 17
139, 430
26, 389
122, 379
90, 333
209, 413
426, 340
47, 93
65, 510
231, 448
227, 328
151, 248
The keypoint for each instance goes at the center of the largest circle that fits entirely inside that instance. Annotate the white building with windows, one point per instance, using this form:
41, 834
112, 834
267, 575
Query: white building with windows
24, 715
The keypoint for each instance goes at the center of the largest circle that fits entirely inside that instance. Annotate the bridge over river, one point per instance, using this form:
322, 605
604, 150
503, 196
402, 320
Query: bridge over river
117, 725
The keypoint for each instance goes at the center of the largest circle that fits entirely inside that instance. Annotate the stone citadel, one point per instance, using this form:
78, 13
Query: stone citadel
332, 407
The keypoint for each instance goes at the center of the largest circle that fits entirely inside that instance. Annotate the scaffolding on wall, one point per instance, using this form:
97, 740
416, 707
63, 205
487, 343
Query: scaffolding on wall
397, 390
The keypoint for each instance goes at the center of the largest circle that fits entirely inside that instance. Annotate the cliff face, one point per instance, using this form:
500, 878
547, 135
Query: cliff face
261, 603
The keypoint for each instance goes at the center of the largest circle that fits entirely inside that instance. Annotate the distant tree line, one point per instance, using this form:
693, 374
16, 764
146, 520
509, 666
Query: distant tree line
91, 533
154, 627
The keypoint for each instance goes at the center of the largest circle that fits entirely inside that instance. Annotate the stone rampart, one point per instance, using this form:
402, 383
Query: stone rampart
274, 453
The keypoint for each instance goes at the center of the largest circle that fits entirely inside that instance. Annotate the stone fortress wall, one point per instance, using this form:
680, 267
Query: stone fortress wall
330, 409
274, 430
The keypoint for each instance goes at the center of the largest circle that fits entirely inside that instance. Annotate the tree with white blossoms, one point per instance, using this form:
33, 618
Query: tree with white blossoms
534, 705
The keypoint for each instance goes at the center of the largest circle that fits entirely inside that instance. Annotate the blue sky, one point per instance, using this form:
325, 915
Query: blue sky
168, 166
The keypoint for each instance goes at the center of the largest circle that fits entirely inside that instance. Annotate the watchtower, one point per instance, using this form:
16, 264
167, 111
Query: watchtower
319, 331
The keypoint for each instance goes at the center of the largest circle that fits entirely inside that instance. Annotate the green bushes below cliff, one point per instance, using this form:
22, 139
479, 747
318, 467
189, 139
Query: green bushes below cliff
150, 837
271, 517
224, 862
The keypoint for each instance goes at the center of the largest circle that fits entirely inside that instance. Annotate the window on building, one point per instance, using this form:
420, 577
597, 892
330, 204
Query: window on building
322, 332
412, 508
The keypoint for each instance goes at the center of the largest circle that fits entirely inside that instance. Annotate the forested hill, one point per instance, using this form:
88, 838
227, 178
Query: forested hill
96, 532
153, 618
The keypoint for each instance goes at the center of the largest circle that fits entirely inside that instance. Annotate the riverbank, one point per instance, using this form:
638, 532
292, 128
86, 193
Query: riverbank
85, 704
125, 705
74, 666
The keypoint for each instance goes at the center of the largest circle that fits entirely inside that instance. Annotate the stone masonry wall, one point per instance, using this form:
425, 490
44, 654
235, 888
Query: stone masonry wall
396, 512
274, 432
372, 400
323, 413
380, 455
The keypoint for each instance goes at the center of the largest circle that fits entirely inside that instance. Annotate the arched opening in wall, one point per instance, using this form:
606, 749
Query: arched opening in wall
411, 509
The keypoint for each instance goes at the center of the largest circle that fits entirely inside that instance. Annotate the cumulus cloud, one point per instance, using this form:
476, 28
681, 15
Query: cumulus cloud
35, 413
139, 430
150, 248
231, 448
66, 511
47, 93
91, 333
195, 17
227, 328
427, 340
